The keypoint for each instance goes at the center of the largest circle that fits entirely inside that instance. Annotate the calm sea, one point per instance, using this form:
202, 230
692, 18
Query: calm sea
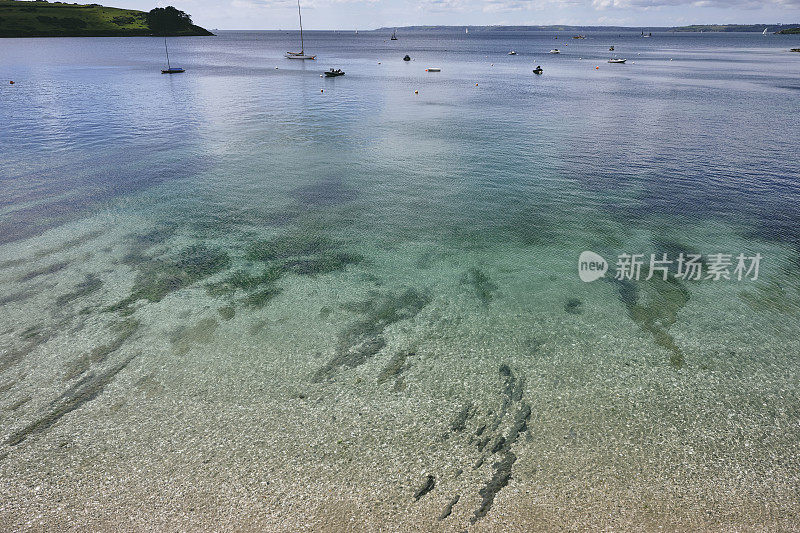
252, 297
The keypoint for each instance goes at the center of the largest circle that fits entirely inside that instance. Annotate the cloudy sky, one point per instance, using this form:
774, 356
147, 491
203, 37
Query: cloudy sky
367, 14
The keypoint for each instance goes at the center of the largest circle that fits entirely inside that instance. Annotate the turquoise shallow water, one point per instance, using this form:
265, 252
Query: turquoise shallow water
248, 297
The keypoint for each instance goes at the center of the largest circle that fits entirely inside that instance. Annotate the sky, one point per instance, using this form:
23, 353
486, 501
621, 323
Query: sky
371, 14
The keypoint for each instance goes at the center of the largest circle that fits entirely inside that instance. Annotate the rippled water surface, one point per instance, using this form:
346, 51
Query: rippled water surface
250, 297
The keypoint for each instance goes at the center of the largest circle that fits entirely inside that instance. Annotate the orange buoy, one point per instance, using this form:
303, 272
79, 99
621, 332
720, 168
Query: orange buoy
322, 90
476, 85
11, 82
416, 92
597, 68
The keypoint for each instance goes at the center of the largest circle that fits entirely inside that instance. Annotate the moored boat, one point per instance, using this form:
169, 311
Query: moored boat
301, 54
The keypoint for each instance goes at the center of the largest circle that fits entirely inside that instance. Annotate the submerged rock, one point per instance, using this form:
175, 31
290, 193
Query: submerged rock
481, 284
427, 486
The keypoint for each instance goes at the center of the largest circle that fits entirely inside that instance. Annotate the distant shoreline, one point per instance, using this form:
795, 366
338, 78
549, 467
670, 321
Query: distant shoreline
784, 29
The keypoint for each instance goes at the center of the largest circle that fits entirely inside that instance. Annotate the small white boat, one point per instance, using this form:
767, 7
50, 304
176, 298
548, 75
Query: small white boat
298, 55
765, 31
555, 51
512, 53
433, 69
620, 61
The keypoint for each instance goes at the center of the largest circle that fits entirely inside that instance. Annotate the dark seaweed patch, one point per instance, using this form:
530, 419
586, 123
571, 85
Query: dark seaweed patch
502, 468
323, 264
19, 403
511, 392
44, 271
98, 355
141, 243
185, 337
262, 297
227, 312
90, 284
290, 245
85, 390
327, 192
659, 312
31, 332
459, 423
484, 287
34, 336
364, 338
242, 280
500, 478
526, 226
16, 297
394, 368
573, 306
157, 279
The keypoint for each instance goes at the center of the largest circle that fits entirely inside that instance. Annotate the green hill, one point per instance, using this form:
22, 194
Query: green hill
56, 19
790, 31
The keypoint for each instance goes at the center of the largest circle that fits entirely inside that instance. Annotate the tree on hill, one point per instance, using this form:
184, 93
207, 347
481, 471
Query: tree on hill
164, 20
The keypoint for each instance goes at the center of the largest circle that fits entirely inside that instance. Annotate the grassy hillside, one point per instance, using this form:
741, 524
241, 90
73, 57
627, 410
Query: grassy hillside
790, 31
57, 19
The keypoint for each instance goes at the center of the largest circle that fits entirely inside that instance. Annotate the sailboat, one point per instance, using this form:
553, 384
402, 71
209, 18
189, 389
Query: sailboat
765, 32
301, 54
466, 31
170, 69
394, 35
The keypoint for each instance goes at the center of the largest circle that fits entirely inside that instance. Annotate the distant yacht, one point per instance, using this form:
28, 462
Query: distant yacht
765, 32
394, 35
555, 51
466, 31
301, 54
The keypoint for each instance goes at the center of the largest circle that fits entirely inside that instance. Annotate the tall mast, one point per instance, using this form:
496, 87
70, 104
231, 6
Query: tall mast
166, 49
302, 46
